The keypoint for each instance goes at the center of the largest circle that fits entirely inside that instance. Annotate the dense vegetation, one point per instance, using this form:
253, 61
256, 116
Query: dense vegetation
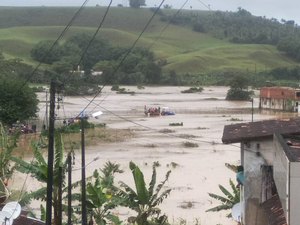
197, 48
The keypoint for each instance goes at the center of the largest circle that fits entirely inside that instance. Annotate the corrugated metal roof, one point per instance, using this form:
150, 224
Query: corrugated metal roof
258, 130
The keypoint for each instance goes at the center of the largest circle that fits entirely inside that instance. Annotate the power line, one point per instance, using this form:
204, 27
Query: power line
168, 24
205, 5
92, 39
152, 129
126, 55
56, 41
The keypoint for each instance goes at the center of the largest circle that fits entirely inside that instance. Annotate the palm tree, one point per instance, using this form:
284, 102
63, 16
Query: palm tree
144, 200
228, 200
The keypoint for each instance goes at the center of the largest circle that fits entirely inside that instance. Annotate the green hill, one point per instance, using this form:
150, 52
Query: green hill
184, 50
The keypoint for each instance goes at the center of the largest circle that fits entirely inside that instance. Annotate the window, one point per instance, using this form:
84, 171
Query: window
257, 146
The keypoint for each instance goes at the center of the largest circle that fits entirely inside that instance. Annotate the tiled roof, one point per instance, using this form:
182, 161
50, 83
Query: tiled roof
23, 220
258, 130
273, 210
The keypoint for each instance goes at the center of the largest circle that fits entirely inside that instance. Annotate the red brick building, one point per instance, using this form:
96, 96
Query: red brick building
280, 98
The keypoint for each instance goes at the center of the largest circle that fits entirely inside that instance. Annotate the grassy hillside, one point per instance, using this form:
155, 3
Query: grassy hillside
184, 49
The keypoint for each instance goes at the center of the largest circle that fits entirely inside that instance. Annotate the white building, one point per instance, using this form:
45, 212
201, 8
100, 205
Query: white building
271, 162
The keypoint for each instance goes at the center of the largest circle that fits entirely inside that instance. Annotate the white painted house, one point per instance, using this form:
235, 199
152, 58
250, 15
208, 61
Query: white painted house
271, 165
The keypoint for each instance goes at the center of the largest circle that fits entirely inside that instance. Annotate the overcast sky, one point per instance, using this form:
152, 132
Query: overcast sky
279, 9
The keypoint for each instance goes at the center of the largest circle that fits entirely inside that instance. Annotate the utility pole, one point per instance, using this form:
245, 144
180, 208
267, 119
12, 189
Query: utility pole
252, 110
46, 109
83, 184
50, 153
69, 189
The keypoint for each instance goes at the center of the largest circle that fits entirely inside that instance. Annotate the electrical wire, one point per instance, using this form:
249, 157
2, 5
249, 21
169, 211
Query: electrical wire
205, 5
35, 70
168, 24
125, 56
153, 129
91, 40
56, 41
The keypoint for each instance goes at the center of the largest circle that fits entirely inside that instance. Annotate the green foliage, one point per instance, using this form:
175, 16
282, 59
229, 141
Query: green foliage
75, 127
101, 195
137, 3
238, 89
238, 95
38, 168
17, 101
46, 52
7, 145
188, 53
176, 124
145, 200
188, 144
228, 200
7, 168
193, 90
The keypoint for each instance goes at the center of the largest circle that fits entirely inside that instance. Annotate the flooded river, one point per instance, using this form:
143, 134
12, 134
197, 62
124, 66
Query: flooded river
199, 169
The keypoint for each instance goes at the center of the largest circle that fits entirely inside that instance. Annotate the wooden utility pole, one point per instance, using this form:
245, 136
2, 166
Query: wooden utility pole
83, 183
50, 154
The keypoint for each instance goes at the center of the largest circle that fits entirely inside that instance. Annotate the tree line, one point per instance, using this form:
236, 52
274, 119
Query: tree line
242, 27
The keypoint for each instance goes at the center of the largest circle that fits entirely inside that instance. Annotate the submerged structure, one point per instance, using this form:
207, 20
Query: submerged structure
280, 98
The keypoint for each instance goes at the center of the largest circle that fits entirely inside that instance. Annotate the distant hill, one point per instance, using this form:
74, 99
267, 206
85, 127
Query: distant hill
184, 50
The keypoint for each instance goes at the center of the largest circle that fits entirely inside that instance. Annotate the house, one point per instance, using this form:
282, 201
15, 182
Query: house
23, 219
280, 98
271, 163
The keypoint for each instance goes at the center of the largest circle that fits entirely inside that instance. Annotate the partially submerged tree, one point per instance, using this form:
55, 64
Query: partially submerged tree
239, 89
137, 3
145, 200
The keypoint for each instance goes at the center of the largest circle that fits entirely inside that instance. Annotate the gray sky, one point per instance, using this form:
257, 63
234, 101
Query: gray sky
279, 9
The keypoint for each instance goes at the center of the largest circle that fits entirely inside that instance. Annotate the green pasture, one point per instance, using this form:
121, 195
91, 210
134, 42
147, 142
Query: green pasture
184, 50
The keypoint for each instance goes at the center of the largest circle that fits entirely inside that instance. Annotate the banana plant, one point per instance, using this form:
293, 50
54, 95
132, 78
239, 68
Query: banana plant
7, 146
144, 200
228, 200
38, 169
101, 195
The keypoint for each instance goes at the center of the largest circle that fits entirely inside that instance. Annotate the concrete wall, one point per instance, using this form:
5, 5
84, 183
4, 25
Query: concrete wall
294, 193
278, 104
256, 154
281, 175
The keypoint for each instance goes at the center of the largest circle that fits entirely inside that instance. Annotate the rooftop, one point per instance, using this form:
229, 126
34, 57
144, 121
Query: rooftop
259, 130
273, 210
290, 145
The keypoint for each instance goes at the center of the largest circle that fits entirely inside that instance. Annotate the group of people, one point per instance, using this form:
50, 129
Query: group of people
152, 111
23, 128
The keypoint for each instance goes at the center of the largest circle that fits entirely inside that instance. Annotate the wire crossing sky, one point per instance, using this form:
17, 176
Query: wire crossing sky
288, 9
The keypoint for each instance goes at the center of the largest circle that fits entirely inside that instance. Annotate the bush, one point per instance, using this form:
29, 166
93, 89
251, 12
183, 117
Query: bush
193, 90
238, 94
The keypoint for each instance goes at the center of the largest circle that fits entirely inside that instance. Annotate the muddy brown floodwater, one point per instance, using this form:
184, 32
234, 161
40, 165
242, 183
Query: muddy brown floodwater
199, 169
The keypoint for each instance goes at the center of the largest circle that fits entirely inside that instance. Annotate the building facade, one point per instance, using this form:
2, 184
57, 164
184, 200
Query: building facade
280, 98
271, 176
